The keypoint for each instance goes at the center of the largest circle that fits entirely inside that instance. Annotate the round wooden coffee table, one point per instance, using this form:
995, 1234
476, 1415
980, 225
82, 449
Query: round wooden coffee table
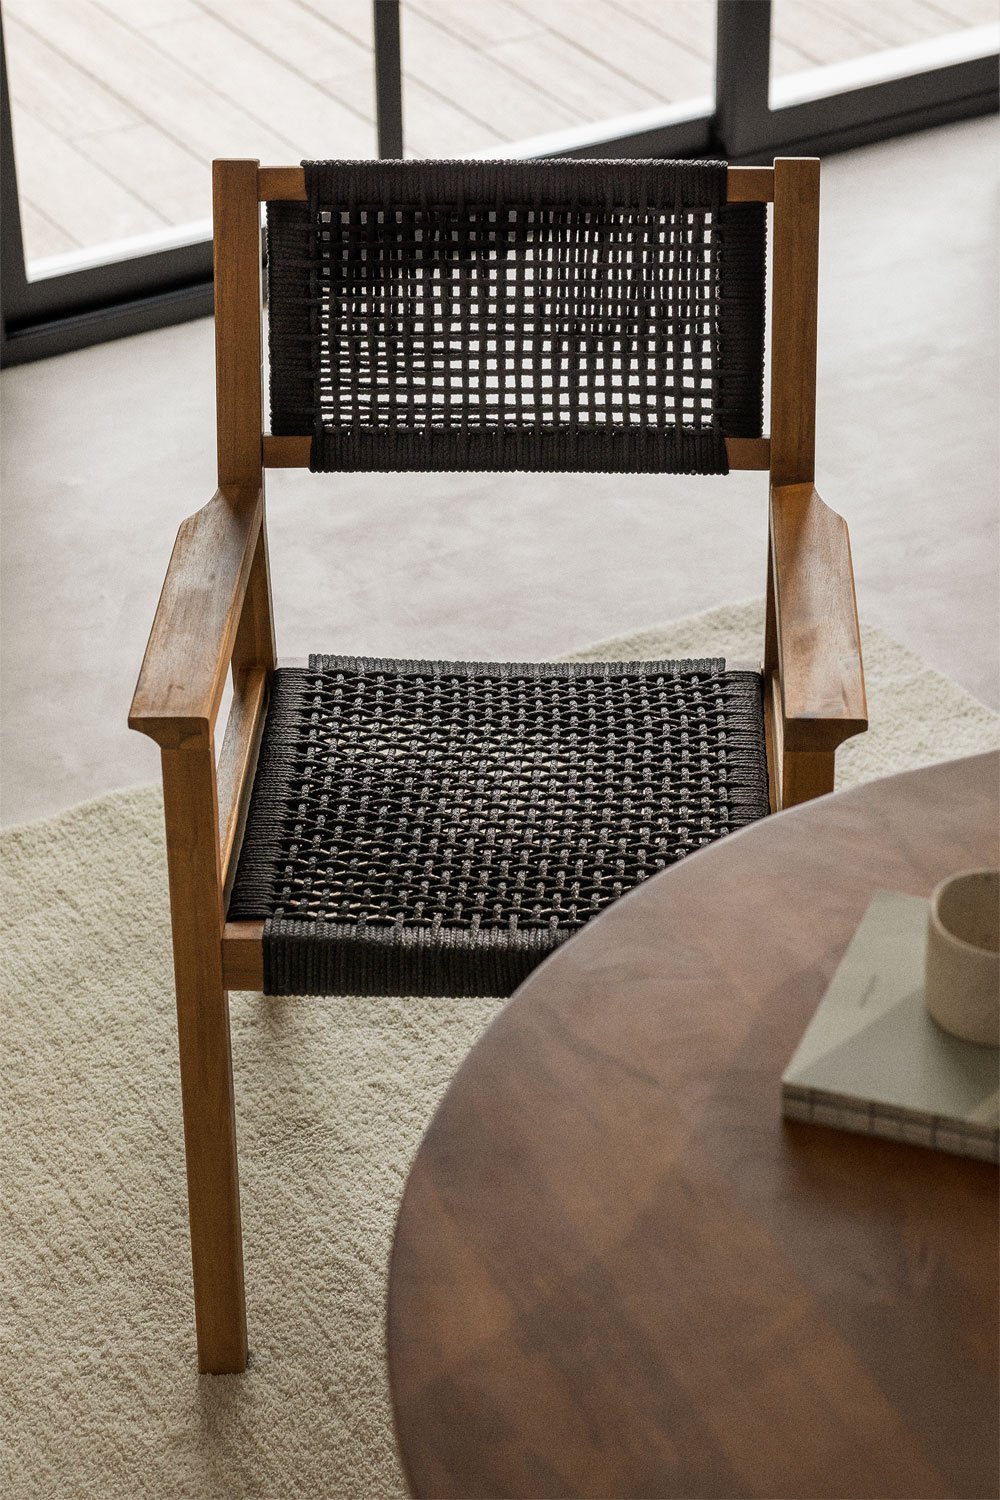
617, 1272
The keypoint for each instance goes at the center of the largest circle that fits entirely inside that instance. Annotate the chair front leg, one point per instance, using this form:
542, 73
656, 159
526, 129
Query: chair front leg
805, 774
191, 809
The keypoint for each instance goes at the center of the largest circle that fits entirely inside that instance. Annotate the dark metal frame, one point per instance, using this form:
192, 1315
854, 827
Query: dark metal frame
747, 129
59, 313
388, 79
88, 306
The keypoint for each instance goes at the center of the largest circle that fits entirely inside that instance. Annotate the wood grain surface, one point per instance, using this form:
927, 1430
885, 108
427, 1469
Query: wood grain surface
616, 1270
794, 294
198, 617
236, 263
191, 815
822, 680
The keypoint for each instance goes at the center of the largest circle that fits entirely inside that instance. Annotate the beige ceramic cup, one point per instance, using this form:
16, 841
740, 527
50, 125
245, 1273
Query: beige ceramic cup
962, 989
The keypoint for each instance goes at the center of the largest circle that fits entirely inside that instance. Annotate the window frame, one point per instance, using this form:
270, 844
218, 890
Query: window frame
108, 300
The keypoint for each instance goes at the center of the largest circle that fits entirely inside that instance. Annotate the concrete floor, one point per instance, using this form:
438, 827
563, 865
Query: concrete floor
105, 450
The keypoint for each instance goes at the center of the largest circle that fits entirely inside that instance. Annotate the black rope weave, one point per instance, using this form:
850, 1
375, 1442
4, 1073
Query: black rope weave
436, 828
556, 315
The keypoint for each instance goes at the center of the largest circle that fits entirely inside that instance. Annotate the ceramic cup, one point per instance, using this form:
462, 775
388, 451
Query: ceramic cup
962, 989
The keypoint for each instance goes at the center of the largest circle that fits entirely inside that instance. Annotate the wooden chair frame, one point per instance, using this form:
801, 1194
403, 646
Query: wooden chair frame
215, 615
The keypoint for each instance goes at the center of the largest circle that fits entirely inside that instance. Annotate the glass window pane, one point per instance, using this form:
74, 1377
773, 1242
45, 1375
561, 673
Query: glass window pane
481, 74
859, 40
118, 108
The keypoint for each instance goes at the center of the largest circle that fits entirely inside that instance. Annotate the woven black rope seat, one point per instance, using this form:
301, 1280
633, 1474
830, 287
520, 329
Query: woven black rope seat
438, 828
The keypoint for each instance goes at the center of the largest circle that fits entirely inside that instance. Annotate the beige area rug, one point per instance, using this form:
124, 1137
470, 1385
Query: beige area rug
98, 1391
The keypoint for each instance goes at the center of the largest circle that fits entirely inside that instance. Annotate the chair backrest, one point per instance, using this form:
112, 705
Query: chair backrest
556, 315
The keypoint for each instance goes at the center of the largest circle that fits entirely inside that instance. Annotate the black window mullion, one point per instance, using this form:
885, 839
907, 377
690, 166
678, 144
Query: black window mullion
13, 277
388, 79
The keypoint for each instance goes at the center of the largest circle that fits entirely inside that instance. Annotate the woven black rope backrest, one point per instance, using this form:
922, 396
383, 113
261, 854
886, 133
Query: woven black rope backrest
601, 315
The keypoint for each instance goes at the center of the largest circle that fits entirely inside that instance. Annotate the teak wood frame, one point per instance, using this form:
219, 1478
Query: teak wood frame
215, 615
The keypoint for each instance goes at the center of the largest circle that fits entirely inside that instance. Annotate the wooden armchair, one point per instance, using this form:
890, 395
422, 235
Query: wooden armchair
464, 315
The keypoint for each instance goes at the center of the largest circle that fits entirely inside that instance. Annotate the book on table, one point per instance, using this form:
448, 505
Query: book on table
873, 1061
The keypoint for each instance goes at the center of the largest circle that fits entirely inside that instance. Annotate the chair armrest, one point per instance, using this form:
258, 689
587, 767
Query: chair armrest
191, 643
816, 618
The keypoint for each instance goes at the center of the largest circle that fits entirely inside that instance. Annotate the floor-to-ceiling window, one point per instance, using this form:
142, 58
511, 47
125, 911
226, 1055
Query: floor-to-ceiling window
115, 109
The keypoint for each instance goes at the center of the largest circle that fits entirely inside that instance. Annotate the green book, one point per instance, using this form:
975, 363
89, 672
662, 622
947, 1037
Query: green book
873, 1061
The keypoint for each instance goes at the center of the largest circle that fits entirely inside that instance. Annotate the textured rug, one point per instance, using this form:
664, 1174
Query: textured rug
98, 1390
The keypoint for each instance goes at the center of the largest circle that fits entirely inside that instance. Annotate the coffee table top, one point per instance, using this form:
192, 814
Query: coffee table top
617, 1271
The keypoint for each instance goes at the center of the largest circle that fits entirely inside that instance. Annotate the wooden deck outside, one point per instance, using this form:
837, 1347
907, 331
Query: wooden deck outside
119, 105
